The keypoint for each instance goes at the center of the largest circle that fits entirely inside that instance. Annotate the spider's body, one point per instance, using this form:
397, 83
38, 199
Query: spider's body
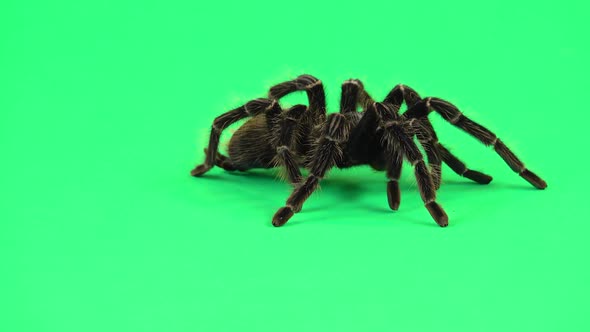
379, 136
250, 146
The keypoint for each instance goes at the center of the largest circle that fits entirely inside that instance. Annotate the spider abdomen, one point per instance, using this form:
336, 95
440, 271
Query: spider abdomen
250, 147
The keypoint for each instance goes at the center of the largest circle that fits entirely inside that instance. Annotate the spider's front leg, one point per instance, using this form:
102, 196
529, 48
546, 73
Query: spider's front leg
436, 153
326, 153
422, 129
451, 113
398, 137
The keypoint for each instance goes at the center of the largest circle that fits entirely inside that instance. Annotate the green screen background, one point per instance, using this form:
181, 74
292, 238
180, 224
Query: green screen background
105, 106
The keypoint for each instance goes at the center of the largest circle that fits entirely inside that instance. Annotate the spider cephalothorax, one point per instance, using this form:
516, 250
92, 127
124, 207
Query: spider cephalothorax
379, 136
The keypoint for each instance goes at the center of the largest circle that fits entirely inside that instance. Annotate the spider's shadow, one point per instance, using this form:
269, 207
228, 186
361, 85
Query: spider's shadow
348, 189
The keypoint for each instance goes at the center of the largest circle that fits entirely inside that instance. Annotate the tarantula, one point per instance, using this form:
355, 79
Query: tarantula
305, 136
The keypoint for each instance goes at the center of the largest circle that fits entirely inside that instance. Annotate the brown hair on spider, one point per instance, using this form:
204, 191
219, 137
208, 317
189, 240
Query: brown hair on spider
379, 136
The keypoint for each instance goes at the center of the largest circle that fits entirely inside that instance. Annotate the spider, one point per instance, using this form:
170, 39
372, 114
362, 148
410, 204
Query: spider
379, 136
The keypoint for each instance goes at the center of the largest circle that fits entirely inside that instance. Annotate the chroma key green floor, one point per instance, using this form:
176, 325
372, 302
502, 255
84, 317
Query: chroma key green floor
106, 106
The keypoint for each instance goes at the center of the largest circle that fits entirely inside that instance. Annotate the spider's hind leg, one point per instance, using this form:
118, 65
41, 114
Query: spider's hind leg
224, 162
223, 121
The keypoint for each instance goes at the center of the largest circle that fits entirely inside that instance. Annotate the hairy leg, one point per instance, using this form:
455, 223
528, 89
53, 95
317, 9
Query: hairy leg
325, 157
422, 128
311, 85
283, 138
353, 95
397, 138
223, 161
451, 114
459, 167
223, 121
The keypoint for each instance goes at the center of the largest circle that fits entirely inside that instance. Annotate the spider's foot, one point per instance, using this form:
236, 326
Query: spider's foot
393, 194
200, 170
534, 179
282, 216
438, 214
477, 177
222, 161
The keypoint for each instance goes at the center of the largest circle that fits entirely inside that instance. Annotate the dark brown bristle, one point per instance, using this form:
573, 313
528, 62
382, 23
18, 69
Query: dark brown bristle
282, 216
478, 177
438, 214
379, 136
200, 170
393, 195
534, 179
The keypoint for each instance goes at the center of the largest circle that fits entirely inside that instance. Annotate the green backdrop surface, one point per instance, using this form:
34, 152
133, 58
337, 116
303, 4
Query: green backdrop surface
105, 106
